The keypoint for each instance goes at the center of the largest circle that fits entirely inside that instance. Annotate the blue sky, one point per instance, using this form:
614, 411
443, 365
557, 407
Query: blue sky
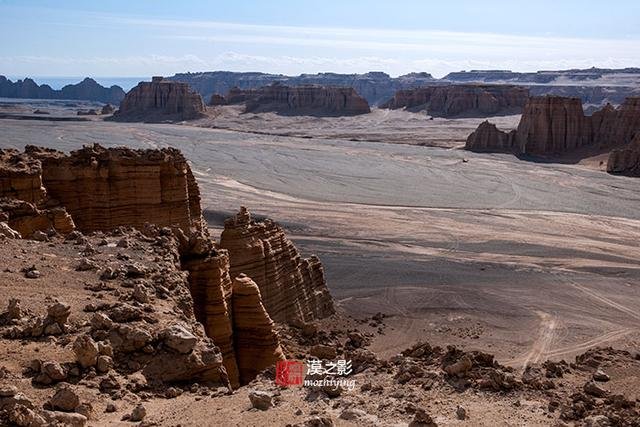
142, 38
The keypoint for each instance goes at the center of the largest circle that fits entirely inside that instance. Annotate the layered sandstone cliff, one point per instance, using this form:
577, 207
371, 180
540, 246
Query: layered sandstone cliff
461, 100
293, 289
160, 100
552, 125
626, 160
107, 188
301, 100
20, 177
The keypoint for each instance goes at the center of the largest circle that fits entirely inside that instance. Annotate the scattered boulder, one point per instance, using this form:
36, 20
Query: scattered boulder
86, 351
138, 413
261, 400
594, 389
178, 338
65, 399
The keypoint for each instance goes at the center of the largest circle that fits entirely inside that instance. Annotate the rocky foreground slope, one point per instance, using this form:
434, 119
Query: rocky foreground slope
461, 100
298, 100
88, 89
103, 322
553, 125
160, 100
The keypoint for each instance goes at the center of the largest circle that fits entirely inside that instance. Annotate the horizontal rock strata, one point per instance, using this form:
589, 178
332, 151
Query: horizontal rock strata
461, 100
552, 125
100, 189
300, 100
626, 161
292, 288
160, 100
107, 188
256, 342
20, 177
210, 287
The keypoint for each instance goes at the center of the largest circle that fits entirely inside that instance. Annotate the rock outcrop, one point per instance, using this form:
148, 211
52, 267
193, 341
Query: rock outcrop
293, 289
489, 138
256, 342
107, 188
217, 100
88, 89
210, 287
20, 177
462, 100
375, 87
553, 125
300, 100
626, 161
155, 192
160, 100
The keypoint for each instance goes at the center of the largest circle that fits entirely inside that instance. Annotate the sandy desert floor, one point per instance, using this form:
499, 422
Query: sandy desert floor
381, 125
527, 260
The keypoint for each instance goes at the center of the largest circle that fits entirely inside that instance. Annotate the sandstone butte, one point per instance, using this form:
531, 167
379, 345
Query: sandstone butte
160, 100
461, 100
553, 125
626, 160
299, 100
239, 287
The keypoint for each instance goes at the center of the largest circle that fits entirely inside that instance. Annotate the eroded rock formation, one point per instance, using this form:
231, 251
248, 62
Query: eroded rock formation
293, 289
553, 125
107, 188
301, 100
160, 100
256, 342
20, 177
461, 100
375, 86
154, 191
626, 160
210, 287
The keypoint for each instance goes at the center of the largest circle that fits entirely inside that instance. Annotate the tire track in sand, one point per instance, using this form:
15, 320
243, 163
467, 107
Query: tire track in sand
546, 335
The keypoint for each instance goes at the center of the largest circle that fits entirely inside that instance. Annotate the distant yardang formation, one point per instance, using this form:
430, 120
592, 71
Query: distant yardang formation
88, 90
255, 276
626, 160
299, 100
160, 100
375, 87
596, 87
552, 125
461, 100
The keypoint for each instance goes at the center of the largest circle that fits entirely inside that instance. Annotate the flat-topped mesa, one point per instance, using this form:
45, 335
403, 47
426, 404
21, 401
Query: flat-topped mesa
554, 125
256, 342
160, 100
626, 160
301, 100
461, 100
105, 188
292, 289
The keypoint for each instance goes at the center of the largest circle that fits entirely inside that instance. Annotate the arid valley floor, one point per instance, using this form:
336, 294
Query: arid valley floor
530, 261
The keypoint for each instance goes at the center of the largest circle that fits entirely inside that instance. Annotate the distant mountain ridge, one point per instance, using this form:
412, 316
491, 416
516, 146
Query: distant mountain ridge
86, 90
595, 86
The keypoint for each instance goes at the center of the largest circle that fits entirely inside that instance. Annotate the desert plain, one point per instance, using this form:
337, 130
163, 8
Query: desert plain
528, 260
